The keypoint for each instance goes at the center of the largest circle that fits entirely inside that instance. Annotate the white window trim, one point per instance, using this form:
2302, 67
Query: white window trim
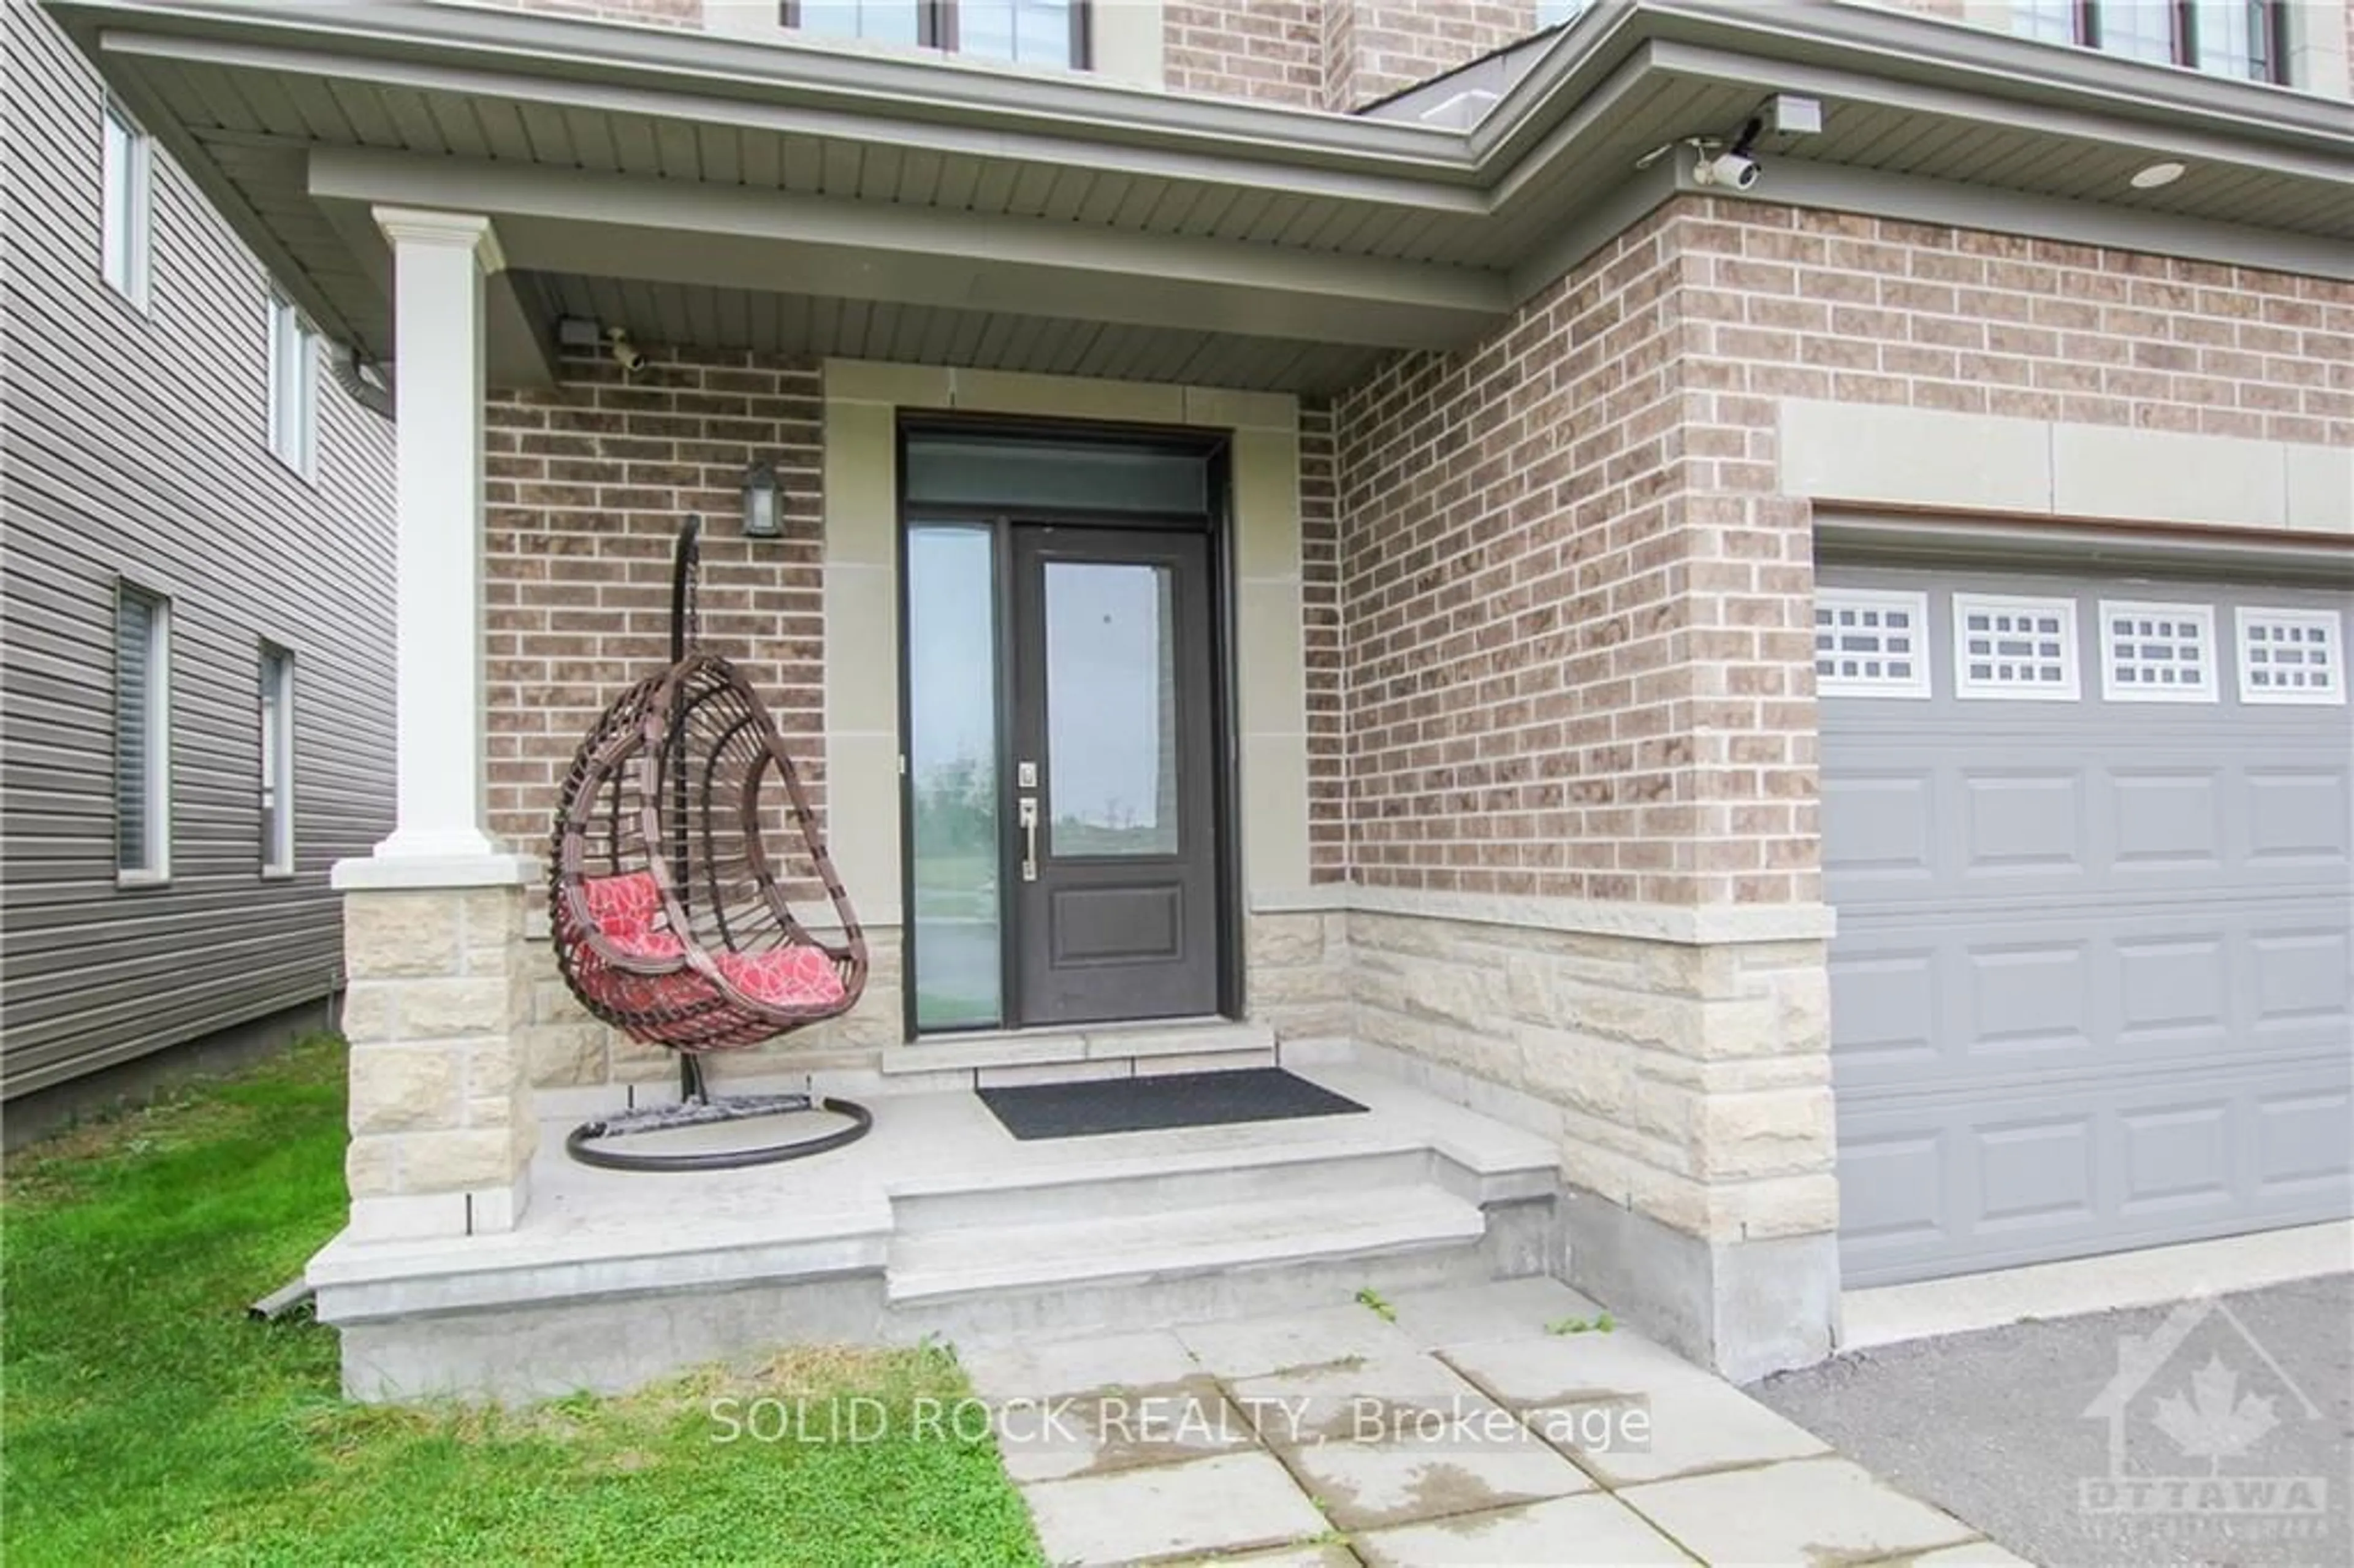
1917, 688
2071, 658
129, 209
157, 723
293, 426
2201, 615
2273, 696
279, 858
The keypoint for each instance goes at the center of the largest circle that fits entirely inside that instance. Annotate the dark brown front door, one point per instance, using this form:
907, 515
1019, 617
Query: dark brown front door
1114, 746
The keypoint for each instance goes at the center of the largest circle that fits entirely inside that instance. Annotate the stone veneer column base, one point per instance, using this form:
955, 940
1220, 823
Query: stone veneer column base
1680, 1059
1744, 1308
440, 1114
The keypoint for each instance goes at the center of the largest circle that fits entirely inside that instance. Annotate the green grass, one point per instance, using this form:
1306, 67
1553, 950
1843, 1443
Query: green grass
147, 1421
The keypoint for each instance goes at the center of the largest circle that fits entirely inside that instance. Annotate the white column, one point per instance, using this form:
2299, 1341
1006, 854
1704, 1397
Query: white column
440, 260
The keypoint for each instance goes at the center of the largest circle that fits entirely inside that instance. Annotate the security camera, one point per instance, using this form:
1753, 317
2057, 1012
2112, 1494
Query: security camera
1737, 170
625, 353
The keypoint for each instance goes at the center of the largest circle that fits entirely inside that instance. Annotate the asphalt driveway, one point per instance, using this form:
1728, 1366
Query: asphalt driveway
2216, 1431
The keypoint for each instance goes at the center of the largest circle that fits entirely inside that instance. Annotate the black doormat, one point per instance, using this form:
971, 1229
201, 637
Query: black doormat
1174, 1100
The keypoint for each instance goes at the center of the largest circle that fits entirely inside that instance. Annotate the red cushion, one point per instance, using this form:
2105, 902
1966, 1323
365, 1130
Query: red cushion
792, 975
627, 911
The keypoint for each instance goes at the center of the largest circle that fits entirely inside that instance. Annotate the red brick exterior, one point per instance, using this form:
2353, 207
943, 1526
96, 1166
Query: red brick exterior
588, 485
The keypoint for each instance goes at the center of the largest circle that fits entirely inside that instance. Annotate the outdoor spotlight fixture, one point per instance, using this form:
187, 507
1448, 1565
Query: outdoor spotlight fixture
1729, 161
1717, 161
1731, 167
764, 513
625, 353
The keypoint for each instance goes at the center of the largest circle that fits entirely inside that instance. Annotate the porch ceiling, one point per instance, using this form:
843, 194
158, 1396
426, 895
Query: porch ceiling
818, 325
791, 195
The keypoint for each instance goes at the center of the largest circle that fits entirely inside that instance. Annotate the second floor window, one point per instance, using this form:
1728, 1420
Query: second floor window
142, 735
2241, 38
125, 175
277, 762
293, 387
1026, 32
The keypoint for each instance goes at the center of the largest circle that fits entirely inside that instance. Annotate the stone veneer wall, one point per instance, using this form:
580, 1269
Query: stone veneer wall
434, 1012
1690, 1082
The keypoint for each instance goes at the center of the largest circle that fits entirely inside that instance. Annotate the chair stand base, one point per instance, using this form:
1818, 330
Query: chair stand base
583, 1143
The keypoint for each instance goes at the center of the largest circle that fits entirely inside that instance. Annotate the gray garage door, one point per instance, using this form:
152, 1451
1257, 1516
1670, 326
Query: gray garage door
2089, 842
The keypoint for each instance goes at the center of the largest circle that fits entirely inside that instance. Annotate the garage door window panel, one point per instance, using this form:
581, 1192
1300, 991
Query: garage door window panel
2015, 648
1868, 643
2154, 652
2291, 656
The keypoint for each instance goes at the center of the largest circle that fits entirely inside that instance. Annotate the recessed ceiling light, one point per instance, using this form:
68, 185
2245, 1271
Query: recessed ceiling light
2157, 175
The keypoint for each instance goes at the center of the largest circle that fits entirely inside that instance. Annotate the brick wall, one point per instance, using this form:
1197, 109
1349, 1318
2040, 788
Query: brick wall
1827, 305
1574, 604
1516, 545
1330, 54
651, 13
1320, 553
1376, 48
1268, 50
589, 484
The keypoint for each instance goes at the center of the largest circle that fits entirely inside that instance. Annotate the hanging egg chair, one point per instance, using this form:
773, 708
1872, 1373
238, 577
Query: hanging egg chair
691, 899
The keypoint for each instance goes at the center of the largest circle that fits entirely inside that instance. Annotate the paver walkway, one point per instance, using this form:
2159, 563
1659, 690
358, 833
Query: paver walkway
1458, 1427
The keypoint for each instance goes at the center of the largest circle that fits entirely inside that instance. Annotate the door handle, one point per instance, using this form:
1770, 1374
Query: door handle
1026, 813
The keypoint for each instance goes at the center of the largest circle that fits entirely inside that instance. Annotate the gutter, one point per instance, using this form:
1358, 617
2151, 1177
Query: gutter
1416, 164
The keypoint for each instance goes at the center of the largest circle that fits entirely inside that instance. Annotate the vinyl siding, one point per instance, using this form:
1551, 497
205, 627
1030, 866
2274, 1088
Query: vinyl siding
137, 446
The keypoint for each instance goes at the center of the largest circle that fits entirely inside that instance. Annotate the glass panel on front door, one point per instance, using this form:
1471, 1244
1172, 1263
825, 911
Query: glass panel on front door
1111, 709
1061, 768
952, 747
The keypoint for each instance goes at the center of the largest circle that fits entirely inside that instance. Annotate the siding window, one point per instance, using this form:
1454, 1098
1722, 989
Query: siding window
277, 762
2239, 38
1050, 32
123, 201
293, 387
142, 735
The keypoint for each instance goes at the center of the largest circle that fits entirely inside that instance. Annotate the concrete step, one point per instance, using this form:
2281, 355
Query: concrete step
1174, 1179
1168, 1244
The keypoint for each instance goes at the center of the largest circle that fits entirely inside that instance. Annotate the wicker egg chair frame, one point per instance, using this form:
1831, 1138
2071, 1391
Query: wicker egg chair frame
683, 832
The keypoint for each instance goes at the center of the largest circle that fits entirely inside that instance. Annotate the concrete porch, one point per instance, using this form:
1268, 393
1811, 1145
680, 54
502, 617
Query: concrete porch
941, 1224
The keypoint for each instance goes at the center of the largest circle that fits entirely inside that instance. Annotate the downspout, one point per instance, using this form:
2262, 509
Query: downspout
364, 379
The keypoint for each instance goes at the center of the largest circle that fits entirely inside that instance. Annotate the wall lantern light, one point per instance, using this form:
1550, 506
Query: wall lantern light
764, 514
